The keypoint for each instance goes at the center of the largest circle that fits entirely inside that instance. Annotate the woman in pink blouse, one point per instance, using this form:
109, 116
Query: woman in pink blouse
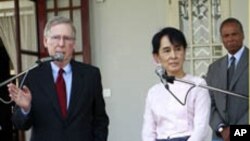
175, 111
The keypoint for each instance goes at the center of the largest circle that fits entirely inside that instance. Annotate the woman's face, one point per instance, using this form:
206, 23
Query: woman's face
171, 57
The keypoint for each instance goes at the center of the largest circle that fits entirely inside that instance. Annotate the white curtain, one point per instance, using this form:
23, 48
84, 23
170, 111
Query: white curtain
8, 36
28, 35
28, 39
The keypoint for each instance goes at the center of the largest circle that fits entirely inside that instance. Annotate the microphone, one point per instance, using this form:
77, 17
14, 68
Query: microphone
56, 57
160, 71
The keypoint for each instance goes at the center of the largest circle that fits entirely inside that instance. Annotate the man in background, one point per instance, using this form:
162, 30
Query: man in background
229, 73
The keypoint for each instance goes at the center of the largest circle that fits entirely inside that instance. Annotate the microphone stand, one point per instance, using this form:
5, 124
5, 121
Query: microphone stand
56, 57
170, 79
16, 76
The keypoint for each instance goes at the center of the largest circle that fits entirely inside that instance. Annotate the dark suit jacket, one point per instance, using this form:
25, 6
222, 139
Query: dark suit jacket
87, 119
217, 77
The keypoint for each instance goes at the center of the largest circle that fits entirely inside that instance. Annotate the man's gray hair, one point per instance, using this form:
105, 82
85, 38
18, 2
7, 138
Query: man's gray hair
58, 20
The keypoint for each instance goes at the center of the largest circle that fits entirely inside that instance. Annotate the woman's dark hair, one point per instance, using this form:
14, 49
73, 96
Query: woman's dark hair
176, 37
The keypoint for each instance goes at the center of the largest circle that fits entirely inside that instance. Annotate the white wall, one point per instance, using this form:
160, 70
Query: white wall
240, 11
121, 32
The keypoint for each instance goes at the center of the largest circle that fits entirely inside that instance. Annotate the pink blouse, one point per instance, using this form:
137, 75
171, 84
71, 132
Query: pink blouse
165, 117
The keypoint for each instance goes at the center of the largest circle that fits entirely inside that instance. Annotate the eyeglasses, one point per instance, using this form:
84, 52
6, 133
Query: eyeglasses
58, 38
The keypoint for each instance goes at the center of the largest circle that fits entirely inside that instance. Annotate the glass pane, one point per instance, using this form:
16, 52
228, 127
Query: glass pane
62, 3
50, 15
216, 20
217, 50
28, 61
7, 9
64, 13
77, 23
50, 4
184, 17
76, 2
28, 32
200, 20
188, 52
79, 58
188, 66
201, 52
200, 67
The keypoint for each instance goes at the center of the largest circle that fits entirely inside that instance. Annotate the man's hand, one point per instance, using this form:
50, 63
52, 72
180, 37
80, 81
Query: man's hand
22, 97
226, 133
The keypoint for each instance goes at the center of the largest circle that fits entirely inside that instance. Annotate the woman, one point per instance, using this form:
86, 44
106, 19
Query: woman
181, 112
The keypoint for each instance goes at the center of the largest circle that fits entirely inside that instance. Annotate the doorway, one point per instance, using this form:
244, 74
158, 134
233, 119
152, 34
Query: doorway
7, 133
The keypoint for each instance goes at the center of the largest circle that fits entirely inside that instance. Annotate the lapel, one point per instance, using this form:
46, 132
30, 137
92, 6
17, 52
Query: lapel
223, 73
49, 87
242, 66
222, 79
77, 90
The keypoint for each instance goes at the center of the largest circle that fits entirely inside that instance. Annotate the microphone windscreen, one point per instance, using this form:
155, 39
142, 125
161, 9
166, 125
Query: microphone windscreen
159, 70
58, 56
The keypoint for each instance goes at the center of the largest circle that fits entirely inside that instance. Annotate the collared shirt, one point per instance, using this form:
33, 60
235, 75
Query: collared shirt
165, 117
237, 56
67, 75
